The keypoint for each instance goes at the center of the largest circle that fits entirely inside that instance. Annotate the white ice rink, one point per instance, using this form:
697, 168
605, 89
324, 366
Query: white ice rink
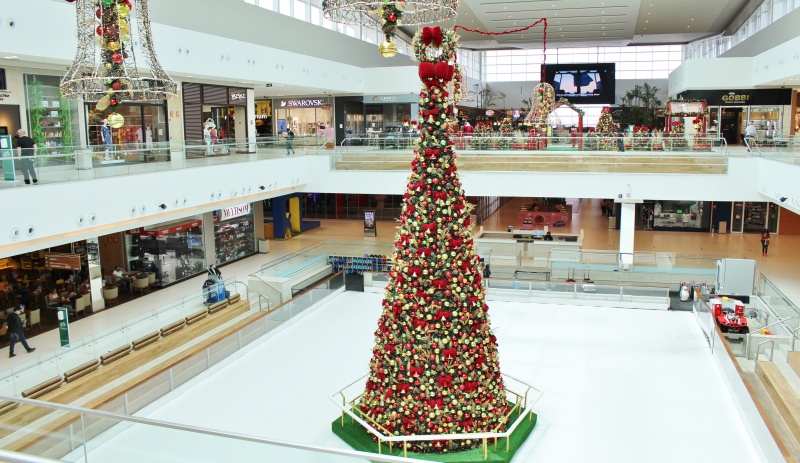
619, 386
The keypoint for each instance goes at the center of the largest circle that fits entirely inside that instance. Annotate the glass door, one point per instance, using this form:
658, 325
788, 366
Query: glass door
738, 217
774, 212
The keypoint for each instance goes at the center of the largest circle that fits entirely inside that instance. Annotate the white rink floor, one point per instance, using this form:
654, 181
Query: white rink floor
619, 386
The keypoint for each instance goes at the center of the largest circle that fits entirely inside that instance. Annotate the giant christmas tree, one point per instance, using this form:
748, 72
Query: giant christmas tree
435, 368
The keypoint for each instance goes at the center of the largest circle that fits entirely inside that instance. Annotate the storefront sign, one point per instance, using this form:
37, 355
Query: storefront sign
167, 230
62, 261
303, 103
237, 96
235, 211
5, 96
391, 99
751, 97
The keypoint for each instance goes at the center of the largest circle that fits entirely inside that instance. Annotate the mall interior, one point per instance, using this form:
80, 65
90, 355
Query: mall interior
302, 229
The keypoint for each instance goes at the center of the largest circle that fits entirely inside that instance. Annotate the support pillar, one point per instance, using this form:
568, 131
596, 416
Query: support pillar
627, 227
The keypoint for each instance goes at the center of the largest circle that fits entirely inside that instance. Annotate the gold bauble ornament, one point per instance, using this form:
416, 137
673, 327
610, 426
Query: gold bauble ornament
123, 11
113, 46
387, 49
123, 27
116, 120
103, 103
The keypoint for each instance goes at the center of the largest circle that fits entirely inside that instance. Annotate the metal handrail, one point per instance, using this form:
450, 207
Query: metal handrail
201, 430
780, 321
794, 338
771, 352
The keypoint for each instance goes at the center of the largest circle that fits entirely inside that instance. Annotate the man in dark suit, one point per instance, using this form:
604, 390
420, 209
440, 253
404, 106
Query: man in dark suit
16, 331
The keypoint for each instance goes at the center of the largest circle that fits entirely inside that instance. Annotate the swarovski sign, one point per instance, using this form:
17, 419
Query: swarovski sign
302, 103
235, 211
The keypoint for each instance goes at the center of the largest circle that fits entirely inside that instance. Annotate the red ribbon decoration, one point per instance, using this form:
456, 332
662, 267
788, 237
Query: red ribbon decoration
514, 31
432, 34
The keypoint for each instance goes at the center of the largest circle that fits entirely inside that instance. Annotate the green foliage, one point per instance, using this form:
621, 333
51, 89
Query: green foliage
640, 106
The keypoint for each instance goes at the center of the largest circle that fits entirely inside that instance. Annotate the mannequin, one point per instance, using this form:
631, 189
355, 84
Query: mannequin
148, 136
105, 135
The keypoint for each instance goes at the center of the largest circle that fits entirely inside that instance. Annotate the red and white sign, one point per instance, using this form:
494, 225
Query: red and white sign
235, 211
167, 230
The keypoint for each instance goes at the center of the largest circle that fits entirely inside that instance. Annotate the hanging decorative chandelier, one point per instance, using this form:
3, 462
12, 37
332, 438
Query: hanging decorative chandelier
105, 68
388, 15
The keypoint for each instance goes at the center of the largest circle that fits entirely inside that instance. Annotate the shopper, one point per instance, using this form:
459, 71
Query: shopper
548, 237
620, 138
16, 331
122, 279
26, 148
749, 135
289, 142
764, 242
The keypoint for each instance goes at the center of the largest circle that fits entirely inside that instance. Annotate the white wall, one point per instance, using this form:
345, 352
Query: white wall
391, 81
712, 74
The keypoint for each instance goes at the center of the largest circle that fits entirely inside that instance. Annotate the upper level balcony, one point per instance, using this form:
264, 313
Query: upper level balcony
480, 153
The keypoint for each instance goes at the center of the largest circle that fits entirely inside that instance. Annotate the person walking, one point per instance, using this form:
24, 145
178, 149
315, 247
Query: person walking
764, 242
26, 150
16, 331
289, 142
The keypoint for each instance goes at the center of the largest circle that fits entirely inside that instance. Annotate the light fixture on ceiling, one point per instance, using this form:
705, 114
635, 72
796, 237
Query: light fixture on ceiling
11, 57
162, 206
782, 199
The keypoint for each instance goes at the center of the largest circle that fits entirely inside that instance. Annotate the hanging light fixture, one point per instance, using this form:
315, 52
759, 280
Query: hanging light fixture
105, 67
388, 15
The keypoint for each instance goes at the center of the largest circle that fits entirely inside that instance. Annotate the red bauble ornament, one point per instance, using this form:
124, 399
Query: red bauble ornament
392, 17
99, 30
116, 58
112, 102
99, 13
116, 85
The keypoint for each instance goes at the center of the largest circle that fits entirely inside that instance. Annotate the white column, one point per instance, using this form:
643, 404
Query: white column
175, 121
251, 120
627, 225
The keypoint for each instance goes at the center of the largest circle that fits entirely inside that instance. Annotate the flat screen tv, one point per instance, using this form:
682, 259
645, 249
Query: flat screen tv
582, 83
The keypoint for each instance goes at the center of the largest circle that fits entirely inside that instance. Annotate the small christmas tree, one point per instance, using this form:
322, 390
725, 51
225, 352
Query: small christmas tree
435, 368
607, 129
504, 142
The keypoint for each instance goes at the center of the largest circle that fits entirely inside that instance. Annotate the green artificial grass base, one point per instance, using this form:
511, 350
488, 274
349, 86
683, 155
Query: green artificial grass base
561, 148
358, 438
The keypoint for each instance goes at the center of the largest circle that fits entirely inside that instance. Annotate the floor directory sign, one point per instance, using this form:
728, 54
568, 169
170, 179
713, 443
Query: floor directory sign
7, 153
369, 223
63, 326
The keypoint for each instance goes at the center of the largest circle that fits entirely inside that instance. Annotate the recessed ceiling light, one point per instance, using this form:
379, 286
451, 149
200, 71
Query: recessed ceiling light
11, 57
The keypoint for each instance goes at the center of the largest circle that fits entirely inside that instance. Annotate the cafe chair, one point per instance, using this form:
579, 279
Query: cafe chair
110, 293
139, 284
79, 307
34, 318
87, 302
151, 279
3, 333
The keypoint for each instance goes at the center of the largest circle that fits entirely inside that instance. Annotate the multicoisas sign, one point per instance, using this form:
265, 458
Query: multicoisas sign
235, 211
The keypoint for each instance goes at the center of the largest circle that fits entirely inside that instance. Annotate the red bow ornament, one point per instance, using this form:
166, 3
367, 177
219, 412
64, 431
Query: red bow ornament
432, 35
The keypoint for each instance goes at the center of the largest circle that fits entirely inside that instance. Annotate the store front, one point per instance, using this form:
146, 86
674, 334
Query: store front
225, 106
753, 217
386, 110
145, 125
52, 120
174, 250
730, 111
305, 116
691, 216
234, 233
264, 118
